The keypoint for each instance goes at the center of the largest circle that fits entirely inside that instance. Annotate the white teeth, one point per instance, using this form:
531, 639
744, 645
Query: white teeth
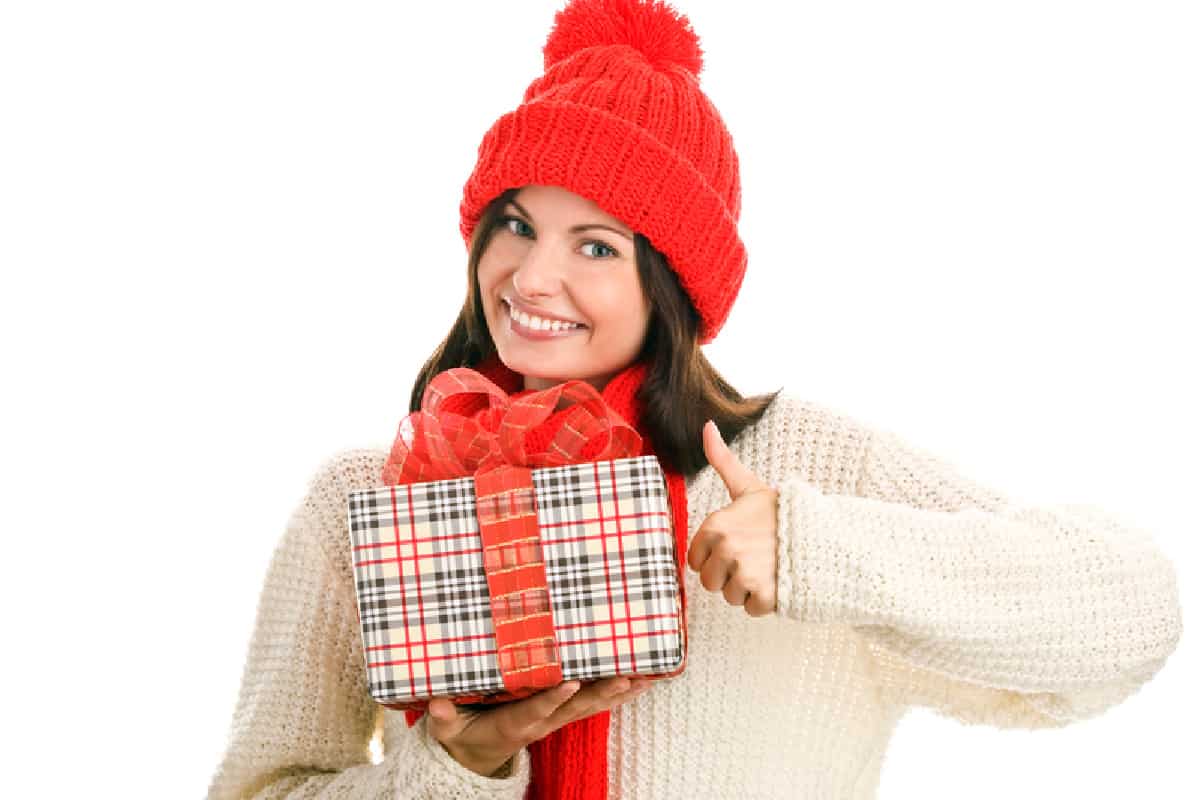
539, 324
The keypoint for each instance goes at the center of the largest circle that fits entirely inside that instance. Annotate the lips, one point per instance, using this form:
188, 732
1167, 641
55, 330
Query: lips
535, 335
508, 302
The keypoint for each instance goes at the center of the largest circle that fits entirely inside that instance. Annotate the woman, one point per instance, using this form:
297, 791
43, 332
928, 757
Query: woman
837, 574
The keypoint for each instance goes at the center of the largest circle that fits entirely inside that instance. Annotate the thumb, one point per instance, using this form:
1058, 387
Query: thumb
737, 477
443, 718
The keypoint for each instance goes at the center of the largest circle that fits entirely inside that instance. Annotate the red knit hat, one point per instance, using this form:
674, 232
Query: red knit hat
619, 118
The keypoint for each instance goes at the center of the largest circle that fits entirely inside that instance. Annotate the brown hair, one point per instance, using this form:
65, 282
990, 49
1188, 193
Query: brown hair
681, 389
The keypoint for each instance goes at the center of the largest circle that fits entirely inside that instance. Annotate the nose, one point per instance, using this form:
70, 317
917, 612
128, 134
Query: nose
537, 274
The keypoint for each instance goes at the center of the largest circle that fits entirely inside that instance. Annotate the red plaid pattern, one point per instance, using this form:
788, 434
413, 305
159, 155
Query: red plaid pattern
486, 572
434, 625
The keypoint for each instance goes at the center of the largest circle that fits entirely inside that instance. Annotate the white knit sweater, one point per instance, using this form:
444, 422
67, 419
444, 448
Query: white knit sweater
901, 583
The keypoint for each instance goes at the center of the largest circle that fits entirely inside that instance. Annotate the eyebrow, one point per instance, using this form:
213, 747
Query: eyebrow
576, 228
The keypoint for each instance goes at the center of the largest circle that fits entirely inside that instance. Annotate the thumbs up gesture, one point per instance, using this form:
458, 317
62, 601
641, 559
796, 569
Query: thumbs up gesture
734, 549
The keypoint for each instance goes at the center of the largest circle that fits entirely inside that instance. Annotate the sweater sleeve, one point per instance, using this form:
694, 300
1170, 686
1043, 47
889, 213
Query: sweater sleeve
304, 717
984, 610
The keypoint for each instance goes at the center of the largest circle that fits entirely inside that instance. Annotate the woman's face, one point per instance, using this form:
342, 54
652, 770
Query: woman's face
558, 256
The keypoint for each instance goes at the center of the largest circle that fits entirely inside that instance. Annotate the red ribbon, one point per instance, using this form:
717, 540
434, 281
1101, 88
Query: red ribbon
436, 443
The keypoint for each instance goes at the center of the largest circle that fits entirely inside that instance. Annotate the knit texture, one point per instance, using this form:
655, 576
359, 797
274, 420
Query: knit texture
901, 583
619, 118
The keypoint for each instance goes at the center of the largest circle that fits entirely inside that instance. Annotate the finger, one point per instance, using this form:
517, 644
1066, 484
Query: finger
707, 537
524, 716
444, 719
698, 550
442, 709
737, 477
636, 687
587, 701
715, 573
758, 606
735, 592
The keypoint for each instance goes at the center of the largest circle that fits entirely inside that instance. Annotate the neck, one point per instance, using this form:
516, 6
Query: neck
539, 384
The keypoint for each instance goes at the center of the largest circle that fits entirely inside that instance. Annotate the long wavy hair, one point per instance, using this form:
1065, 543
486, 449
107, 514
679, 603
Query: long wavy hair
681, 389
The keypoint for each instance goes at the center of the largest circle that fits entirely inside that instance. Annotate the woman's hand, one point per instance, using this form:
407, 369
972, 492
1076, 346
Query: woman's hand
734, 549
482, 741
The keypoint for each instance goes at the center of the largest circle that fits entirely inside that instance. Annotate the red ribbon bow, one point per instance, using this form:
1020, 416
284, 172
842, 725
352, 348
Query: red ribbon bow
436, 443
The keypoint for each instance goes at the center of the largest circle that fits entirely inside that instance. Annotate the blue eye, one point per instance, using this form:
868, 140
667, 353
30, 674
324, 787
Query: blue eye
504, 221
602, 244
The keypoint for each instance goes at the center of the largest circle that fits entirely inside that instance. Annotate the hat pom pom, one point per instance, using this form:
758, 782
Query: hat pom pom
659, 32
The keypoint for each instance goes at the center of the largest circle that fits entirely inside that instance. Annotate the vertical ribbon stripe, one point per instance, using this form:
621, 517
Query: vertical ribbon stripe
526, 648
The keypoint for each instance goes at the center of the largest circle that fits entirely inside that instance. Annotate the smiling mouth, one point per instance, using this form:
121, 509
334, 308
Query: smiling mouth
536, 334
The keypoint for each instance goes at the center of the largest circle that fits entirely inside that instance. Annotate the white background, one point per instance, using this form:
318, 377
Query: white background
228, 233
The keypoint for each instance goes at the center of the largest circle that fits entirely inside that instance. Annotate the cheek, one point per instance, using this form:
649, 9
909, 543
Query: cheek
488, 275
495, 264
485, 273
614, 303
502, 249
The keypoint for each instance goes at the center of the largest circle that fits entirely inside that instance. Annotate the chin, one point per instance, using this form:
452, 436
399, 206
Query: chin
523, 366
545, 377
542, 377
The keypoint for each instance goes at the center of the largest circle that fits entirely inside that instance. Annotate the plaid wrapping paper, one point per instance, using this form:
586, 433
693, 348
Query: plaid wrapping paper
426, 612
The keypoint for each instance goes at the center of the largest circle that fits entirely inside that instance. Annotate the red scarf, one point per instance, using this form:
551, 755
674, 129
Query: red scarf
572, 762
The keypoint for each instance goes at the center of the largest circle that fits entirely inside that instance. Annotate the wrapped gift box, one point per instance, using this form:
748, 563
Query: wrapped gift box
588, 588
